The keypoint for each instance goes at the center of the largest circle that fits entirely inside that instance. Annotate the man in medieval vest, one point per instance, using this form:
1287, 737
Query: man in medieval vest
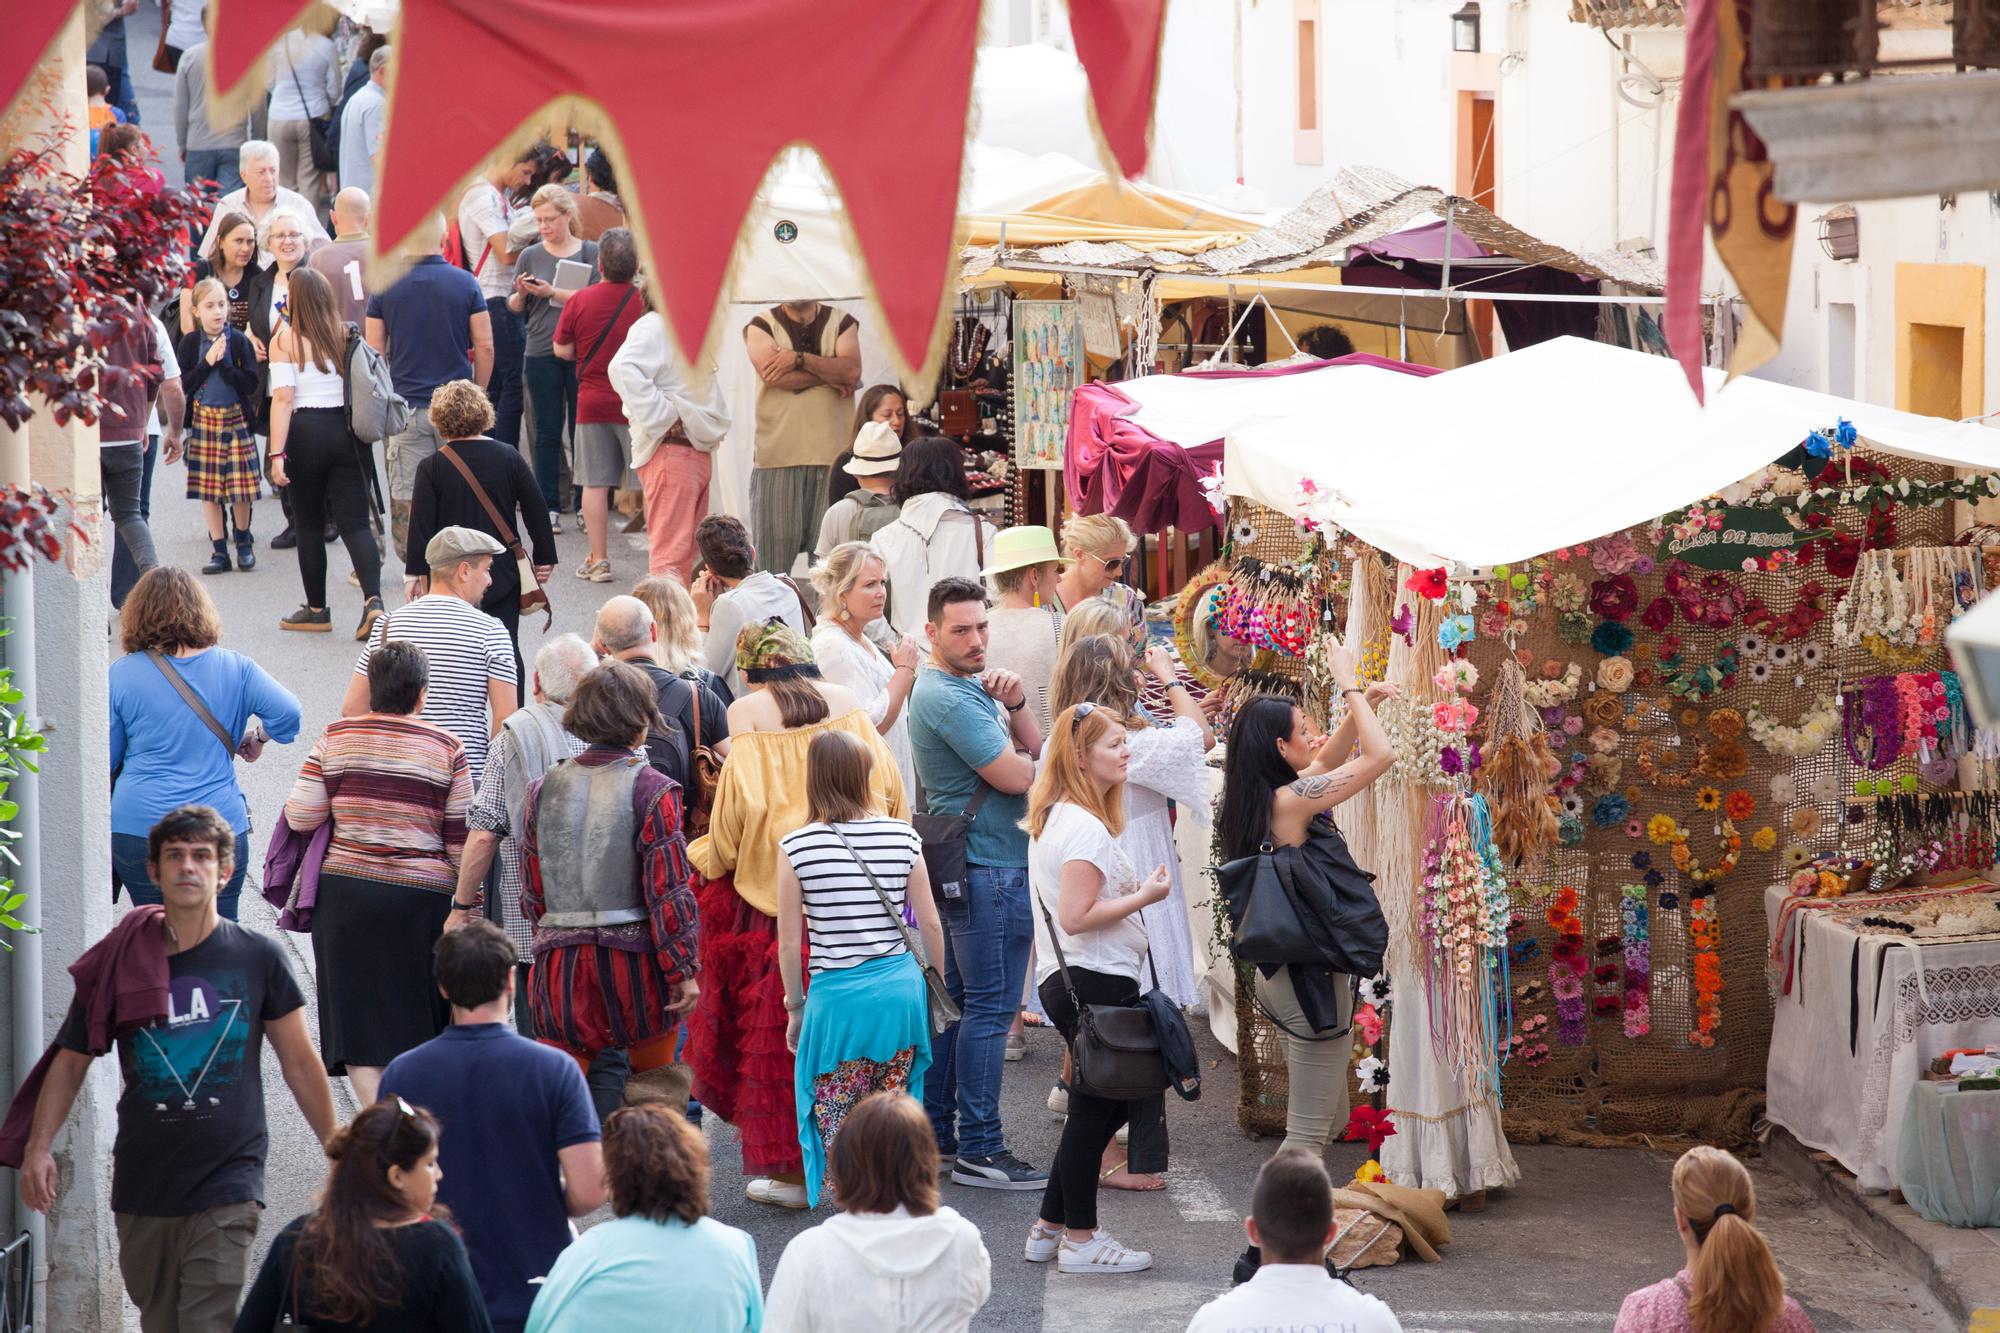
530, 743
605, 884
808, 357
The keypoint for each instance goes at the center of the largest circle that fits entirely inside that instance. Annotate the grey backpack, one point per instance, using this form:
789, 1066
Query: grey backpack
375, 411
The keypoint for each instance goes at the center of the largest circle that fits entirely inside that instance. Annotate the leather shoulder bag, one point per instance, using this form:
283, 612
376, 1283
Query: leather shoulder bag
943, 1009
704, 772
1116, 1051
532, 596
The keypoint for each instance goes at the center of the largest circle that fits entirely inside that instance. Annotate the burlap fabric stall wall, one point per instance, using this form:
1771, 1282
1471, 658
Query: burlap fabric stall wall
1594, 1083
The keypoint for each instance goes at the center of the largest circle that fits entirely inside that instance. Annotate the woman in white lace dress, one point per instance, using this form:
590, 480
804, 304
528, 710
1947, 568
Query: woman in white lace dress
1168, 765
853, 588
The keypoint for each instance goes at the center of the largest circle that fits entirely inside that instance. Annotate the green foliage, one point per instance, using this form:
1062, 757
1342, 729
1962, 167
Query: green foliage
19, 740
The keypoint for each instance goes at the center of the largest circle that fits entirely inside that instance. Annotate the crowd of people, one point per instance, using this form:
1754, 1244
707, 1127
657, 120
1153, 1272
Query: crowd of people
804, 858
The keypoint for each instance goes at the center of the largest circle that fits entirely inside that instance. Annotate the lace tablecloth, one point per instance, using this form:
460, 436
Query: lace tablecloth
1864, 1015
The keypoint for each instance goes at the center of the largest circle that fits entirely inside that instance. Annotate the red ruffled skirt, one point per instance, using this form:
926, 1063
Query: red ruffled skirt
736, 1037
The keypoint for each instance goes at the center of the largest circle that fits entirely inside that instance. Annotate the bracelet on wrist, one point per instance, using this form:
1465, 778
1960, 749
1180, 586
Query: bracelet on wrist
1015, 708
472, 906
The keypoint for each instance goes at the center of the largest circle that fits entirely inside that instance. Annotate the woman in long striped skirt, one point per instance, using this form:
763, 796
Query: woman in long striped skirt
219, 370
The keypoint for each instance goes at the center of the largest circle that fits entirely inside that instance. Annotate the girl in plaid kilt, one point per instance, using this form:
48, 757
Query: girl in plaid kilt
219, 374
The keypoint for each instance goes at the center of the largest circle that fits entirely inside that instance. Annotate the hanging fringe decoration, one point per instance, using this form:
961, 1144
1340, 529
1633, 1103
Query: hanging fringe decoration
1516, 773
1357, 817
1414, 659
1465, 914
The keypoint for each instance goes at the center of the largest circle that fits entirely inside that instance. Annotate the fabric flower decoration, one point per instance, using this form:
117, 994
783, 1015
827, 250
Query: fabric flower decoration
1615, 554
1371, 1074
1614, 598
1739, 805
1430, 584
1642, 860
1634, 829
1375, 990
1611, 638
1615, 674
1796, 855
1567, 985
1368, 1172
1455, 632
1604, 740
1823, 789
1658, 615
1569, 831
1572, 726
1457, 677
1707, 798
1669, 901
1781, 789
1727, 761
1805, 821
1609, 811
1564, 900
1764, 839
1604, 710
1725, 723
1450, 762
1654, 878
1368, 1024
1370, 1123
1661, 829
1404, 623
1572, 804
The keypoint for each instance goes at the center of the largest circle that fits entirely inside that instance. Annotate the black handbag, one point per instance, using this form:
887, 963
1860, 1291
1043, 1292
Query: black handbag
1280, 916
325, 157
945, 839
1115, 1053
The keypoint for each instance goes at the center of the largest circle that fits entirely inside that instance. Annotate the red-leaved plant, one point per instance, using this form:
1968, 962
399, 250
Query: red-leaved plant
80, 260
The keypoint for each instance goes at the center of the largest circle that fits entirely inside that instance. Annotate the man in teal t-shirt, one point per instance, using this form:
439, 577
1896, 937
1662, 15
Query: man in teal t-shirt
970, 728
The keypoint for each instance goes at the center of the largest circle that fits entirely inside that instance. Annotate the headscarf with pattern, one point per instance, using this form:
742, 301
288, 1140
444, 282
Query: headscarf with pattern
773, 651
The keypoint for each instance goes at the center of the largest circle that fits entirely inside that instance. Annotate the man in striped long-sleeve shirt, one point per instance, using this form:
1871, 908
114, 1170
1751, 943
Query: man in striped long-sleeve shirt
605, 880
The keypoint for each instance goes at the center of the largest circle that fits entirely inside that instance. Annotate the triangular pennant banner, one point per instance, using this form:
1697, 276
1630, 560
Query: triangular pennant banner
697, 98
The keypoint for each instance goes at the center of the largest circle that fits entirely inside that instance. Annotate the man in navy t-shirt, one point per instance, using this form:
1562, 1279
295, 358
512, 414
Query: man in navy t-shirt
434, 327
519, 1148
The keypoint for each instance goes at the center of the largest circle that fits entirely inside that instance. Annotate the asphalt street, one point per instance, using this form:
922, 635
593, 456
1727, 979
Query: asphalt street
1559, 1252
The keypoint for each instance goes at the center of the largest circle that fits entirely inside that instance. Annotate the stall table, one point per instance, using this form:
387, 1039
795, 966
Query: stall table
1857, 1017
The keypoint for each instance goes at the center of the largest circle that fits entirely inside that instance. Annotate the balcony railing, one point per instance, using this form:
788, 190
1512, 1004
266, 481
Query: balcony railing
1799, 41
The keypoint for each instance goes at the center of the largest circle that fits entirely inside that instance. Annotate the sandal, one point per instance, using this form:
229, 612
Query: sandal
1152, 1183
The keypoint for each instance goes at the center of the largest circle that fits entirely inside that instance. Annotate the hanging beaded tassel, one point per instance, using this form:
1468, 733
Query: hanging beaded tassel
1465, 911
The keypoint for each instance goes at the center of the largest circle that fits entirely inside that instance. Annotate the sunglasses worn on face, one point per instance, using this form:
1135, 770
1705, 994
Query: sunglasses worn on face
1112, 566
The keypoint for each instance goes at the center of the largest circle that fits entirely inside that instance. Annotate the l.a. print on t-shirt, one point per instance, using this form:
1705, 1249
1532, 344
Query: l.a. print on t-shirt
191, 1129
194, 1059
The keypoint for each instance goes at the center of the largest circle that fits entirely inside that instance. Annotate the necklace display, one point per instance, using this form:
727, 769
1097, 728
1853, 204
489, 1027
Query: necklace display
1820, 724
1916, 715
1554, 693
969, 337
1899, 611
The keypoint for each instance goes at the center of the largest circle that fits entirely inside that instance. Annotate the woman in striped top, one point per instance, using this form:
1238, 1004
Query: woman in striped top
397, 790
864, 1026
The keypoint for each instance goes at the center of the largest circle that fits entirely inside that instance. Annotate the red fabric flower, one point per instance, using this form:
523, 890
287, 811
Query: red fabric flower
1371, 1123
1658, 615
1615, 598
1428, 583
1843, 553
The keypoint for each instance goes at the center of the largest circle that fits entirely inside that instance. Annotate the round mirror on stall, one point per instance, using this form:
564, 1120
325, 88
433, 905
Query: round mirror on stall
1211, 656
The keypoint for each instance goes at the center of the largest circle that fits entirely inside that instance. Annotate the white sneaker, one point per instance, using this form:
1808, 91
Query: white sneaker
1059, 1100
779, 1193
1100, 1254
1042, 1245
555, 521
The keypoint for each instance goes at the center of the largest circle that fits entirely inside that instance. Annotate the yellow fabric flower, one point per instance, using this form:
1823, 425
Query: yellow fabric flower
1368, 1172
1661, 829
1764, 839
1707, 798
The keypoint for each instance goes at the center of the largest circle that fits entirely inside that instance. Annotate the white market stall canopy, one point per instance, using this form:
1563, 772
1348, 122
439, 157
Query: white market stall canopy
1552, 445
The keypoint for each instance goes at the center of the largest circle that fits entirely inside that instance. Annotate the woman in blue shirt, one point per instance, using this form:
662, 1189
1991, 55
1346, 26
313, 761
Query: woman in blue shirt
164, 754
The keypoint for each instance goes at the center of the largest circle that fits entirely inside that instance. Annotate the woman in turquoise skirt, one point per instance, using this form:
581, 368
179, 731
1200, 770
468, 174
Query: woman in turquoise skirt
851, 880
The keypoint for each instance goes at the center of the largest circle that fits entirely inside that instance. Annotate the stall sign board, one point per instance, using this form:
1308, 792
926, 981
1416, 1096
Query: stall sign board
1048, 366
1744, 534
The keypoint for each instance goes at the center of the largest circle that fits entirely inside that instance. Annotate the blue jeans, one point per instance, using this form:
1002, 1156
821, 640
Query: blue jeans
551, 385
503, 390
986, 961
128, 857
213, 164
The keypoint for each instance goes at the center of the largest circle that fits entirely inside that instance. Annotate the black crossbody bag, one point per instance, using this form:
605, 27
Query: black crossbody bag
1116, 1052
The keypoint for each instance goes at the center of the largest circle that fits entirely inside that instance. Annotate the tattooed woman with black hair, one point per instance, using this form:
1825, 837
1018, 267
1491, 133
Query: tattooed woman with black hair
1279, 788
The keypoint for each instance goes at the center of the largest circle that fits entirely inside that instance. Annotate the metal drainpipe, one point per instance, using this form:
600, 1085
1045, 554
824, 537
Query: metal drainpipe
17, 600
